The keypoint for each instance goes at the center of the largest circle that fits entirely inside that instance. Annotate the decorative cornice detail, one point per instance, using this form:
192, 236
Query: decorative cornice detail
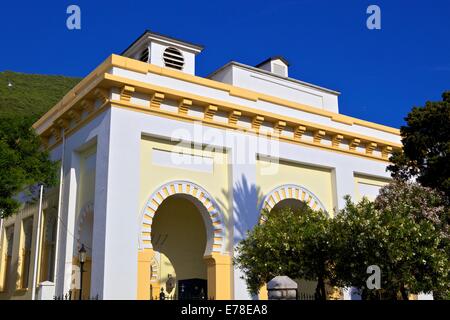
101, 94
233, 117
370, 147
209, 112
126, 93
63, 123
83, 108
299, 131
183, 106
278, 127
75, 115
318, 136
56, 132
256, 122
113, 60
336, 141
354, 143
385, 151
156, 99
87, 105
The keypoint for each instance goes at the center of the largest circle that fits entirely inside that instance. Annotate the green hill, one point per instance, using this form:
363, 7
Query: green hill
31, 95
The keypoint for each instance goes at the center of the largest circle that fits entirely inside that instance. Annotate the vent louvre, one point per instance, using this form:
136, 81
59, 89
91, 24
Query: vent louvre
144, 55
173, 58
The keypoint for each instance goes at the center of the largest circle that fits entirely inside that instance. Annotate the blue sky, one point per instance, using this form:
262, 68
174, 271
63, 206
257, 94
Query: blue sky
380, 73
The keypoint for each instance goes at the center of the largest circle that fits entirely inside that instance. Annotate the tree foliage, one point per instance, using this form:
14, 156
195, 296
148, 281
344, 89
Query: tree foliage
404, 232
23, 99
430, 212
426, 146
292, 242
23, 163
401, 232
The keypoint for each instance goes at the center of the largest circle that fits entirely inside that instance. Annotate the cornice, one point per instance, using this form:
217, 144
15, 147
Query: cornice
66, 114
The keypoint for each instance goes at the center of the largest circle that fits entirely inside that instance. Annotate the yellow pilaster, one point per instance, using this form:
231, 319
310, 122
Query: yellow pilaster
219, 276
144, 262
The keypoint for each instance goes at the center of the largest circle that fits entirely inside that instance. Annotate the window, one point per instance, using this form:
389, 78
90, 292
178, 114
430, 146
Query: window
173, 58
27, 229
48, 247
6, 255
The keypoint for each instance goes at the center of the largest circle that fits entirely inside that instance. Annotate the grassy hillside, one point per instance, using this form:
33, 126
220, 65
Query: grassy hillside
31, 95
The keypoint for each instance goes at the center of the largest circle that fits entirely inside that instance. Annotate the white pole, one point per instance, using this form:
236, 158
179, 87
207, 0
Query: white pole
60, 203
1, 233
38, 242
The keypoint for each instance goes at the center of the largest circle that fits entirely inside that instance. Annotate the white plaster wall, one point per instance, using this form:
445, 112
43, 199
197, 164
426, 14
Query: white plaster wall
121, 208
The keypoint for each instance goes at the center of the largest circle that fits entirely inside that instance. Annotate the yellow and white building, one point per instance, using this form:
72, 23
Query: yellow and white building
163, 172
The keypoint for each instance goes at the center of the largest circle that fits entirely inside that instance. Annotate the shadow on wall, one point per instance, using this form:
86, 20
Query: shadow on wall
246, 200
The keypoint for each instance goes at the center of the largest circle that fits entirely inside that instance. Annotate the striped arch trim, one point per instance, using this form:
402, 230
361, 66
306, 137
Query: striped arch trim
291, 191
188, 188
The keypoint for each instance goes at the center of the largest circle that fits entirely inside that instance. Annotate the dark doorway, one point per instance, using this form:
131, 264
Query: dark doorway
192, 289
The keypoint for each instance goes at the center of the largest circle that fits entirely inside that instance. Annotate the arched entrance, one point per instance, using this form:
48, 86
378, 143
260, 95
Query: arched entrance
181, 245
293, 196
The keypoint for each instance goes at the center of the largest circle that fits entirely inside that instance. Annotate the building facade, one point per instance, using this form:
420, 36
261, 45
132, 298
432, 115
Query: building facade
163, 172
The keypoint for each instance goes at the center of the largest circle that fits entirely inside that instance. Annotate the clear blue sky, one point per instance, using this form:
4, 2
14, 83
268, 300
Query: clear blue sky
381, 73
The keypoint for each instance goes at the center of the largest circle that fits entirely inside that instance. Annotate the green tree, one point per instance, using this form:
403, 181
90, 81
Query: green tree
291, 242
426, 146
23, 163
430, 212
403, 233
358, 232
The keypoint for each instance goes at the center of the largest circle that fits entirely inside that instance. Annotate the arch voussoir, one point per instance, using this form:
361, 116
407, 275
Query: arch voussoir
291, 191
188, 188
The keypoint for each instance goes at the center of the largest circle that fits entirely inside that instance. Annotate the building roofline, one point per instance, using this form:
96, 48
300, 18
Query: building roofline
273, 58
159, 35
273, 75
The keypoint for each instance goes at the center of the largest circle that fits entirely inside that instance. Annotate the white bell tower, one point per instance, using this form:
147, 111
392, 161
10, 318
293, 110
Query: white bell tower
164, 51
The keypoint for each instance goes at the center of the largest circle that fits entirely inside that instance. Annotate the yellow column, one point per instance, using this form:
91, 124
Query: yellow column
219, 276
144, 262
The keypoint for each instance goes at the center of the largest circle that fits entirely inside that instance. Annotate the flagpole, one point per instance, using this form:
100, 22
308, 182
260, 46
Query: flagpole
37, 246
60, 203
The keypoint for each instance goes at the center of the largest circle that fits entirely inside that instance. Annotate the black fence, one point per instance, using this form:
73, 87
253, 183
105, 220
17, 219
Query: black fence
74, 295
